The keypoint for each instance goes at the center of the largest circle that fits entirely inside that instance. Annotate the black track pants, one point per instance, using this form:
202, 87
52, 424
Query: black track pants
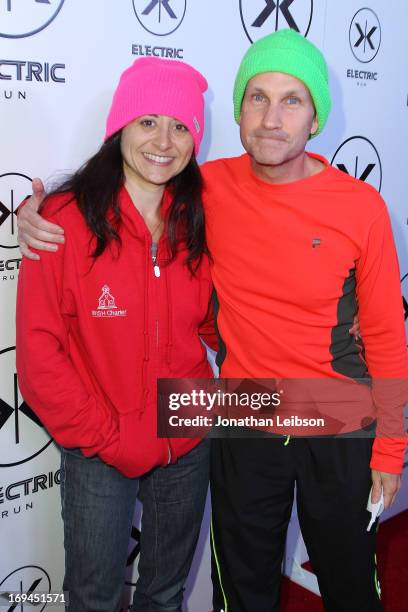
252, 485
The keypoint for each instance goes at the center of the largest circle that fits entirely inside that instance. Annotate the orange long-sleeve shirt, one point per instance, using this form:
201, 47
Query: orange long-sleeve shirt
290, 264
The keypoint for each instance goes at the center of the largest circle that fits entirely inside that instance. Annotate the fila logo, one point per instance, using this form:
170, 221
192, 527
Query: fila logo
261, 17
107, 306
358, 157
365, 35
160, 17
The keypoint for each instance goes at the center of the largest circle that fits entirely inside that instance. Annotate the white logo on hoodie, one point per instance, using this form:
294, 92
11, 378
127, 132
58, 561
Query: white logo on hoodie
107, 305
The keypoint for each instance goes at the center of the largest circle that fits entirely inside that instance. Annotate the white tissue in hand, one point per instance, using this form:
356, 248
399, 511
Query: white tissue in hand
375, 509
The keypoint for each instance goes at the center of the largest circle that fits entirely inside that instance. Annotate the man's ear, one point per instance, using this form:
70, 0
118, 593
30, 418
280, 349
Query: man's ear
315, 126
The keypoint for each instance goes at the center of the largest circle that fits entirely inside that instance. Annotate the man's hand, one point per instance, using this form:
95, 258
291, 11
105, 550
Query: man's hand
33, 231
389, 482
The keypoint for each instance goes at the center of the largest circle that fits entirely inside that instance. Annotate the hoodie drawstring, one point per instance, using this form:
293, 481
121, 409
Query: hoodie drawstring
145, 388
169, 345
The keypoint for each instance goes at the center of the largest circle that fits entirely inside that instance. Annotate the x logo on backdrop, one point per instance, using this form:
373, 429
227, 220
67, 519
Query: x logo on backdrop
22, 18
160, 17
261, 17
14, 187
31, 580
134, 550
358, 157
22, 436
365, 35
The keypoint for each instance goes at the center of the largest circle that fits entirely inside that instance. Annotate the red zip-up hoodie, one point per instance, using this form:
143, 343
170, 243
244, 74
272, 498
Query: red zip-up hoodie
93, 337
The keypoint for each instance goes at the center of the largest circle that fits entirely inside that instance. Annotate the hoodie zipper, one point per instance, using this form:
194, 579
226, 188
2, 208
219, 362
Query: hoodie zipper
156, 270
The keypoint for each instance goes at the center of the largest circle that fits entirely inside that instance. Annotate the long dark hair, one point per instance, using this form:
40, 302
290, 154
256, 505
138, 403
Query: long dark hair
96, 185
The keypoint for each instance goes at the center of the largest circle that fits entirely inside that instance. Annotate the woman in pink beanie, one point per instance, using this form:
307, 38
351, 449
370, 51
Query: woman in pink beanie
124, 301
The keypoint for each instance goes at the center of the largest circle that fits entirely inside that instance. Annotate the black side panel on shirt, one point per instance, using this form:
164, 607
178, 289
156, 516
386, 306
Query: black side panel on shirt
348, 354
222, 351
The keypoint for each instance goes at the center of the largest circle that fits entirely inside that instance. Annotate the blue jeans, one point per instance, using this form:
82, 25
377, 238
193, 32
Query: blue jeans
97, 509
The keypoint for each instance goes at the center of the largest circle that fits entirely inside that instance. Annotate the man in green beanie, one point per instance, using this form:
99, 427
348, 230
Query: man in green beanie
295, 245
286, 52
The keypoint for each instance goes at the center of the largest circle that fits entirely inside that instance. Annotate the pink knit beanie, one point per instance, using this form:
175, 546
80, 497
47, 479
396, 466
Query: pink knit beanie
154, 86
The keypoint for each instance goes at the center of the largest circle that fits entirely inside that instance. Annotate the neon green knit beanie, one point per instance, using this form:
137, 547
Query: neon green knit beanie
289, 52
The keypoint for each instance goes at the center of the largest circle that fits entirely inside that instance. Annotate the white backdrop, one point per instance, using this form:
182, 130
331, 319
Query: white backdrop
59, 63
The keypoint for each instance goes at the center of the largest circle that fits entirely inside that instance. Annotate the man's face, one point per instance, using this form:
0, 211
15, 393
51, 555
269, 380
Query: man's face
277, 117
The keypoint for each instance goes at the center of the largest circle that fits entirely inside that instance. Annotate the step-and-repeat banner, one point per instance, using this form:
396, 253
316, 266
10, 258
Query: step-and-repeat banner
59, 64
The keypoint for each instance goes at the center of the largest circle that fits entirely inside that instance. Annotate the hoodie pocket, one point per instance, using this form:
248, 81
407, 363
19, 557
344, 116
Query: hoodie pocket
139, 450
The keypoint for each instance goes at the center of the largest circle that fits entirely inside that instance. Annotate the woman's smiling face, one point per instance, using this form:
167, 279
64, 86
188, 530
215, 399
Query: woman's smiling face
155, 148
